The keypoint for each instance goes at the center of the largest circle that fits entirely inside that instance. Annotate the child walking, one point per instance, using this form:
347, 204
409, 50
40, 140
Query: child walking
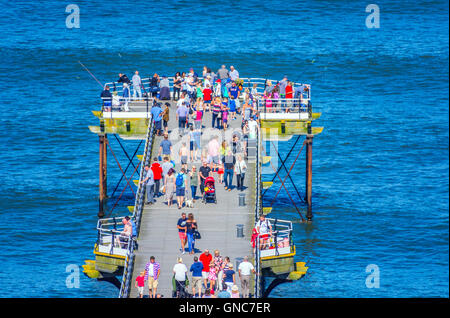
140, 283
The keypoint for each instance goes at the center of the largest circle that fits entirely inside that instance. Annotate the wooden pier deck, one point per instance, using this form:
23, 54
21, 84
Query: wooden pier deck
158, 235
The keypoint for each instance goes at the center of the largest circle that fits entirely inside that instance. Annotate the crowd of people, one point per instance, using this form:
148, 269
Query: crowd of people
220, 91
175, 175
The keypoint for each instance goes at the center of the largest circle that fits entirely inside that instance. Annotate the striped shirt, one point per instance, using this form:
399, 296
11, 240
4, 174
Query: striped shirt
155, 270
216, 108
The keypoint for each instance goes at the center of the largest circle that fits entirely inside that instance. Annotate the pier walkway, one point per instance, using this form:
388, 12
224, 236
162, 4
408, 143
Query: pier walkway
158, 234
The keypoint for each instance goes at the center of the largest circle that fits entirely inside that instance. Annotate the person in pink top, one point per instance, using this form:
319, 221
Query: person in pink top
213, 152
198, 118
225, 116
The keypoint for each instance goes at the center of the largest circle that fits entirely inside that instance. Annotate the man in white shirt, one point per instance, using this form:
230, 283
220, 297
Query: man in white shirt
234, 74
136, 79
245, 270
252, 127
180, 271
264, 229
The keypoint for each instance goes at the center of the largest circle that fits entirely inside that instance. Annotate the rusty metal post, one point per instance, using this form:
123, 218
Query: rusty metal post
101, 179
308, 186
105, 165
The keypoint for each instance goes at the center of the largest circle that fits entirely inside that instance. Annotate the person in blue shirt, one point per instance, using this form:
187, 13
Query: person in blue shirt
165, 148
196, 269
224, 293
157, 117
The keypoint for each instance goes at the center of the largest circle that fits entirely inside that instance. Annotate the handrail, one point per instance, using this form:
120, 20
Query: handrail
137, 214
258, 209
145, 83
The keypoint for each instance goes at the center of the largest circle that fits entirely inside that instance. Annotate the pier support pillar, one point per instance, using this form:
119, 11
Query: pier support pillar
308, 186
102, 175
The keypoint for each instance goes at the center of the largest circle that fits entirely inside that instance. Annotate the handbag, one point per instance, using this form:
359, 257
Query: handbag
197, 235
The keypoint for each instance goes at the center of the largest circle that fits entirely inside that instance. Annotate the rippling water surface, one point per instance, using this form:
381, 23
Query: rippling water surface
380, 168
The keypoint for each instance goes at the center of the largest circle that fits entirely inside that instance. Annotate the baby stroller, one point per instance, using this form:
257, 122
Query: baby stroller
209, 192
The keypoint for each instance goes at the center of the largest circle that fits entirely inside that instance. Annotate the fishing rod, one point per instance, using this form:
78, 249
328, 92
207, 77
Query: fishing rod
91, 74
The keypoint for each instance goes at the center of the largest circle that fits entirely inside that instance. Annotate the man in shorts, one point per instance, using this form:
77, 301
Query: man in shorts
152, 270
196, 269
182, 228
184, 152
213, 152
206, 259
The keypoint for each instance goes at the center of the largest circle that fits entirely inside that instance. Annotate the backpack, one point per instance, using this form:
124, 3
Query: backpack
179, 180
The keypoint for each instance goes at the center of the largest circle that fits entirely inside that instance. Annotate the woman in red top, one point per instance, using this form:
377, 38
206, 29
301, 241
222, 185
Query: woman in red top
289, 94
289, 90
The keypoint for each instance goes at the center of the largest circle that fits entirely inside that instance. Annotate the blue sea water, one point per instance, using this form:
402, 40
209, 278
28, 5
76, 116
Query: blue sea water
380, 167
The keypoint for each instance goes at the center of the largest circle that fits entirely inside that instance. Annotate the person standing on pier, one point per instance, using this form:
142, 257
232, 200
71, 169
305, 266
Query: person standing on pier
193, 174
152, 270
106, 97
204, 173
229, 161
157, 175
245, 270
176, 86
181, 183
123, 79
126, 96
206, 259
223, 74
264, 229
165, 147
137, 83
191, 227
157, 116
213, 152
181, 226
140, 283
196, 269
180, 271
240, 169
182, 113
149, 184
169, 184
234, 74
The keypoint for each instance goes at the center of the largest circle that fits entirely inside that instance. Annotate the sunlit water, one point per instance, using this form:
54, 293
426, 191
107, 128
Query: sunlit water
380, 167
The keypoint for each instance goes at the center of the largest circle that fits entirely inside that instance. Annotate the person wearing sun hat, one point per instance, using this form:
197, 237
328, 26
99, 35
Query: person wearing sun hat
234, 291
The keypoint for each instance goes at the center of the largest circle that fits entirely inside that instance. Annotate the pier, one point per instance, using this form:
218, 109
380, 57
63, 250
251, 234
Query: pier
217, 222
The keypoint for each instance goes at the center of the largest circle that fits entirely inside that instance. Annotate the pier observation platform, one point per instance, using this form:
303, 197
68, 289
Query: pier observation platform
217, 222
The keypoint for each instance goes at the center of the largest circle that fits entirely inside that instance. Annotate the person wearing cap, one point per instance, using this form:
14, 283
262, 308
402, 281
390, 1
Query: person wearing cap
229, 277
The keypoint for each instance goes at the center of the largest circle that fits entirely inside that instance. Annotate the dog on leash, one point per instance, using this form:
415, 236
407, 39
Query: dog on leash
189, 204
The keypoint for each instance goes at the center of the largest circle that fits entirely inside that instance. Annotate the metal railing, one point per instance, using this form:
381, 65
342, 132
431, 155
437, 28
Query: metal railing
284, 107
120, 103
247, 82
258, 211
137, 214
280, 236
